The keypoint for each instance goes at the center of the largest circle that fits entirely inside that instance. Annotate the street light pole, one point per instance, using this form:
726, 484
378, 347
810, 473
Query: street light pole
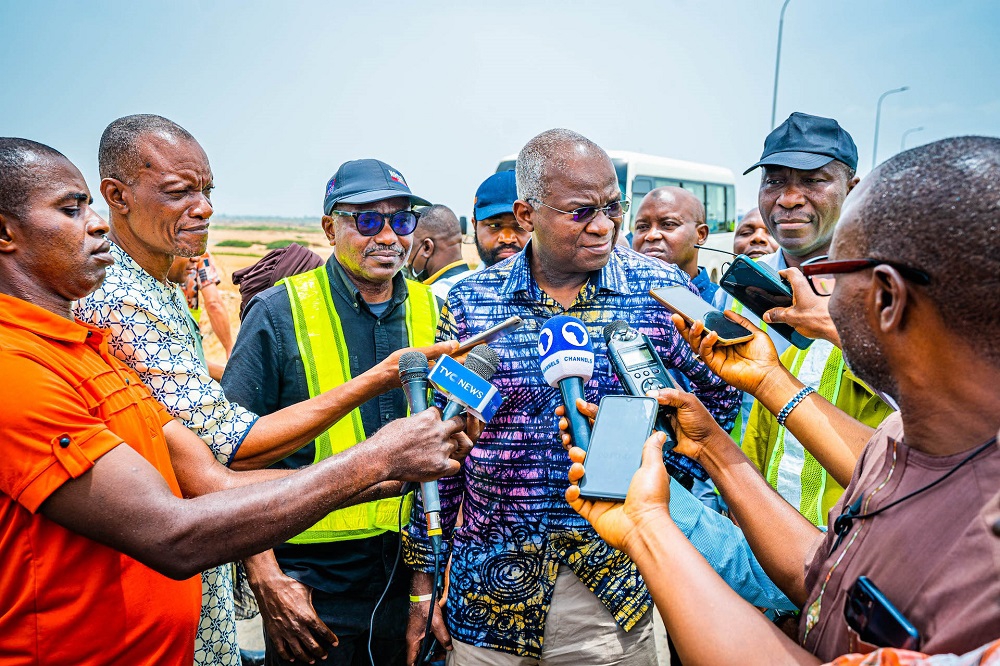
878, 118
902, 142
777, 64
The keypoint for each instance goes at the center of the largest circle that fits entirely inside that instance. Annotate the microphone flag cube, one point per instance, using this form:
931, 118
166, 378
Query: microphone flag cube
465, 387
565, 350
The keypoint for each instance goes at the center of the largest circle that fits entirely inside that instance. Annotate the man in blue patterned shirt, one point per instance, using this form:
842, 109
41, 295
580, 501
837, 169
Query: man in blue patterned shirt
529, 578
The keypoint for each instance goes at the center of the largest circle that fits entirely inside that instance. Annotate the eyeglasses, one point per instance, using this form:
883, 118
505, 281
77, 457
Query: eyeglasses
821, 272
614, 209
371, 222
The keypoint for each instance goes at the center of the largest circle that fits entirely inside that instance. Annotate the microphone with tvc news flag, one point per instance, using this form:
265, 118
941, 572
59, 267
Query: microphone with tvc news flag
468, 386
637, 365
413, 369
567, 364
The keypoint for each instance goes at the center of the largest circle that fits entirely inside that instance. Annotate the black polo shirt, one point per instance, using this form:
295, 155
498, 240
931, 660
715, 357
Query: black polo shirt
265, 374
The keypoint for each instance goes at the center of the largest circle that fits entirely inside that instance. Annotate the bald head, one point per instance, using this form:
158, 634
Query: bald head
937, 208
546, 153
676, 197
120, 154
439, 223
22, 162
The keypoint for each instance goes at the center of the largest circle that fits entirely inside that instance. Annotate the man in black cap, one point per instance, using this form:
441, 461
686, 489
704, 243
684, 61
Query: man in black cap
808, 169
317, 593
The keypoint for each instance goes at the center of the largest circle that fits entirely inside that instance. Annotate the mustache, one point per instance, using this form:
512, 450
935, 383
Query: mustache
398, 249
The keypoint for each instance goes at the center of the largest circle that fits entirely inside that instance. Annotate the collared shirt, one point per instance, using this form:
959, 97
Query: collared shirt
442, 281
64, 598
265, 374
517, 526
151, 331
705, 286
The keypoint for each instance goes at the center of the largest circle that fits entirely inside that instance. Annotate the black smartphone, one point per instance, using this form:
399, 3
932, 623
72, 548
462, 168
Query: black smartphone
622, 426
876, 620
759, 288
692, 308
489, 335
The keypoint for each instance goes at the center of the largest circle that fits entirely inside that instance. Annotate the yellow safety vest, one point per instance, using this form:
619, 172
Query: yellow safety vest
323, 350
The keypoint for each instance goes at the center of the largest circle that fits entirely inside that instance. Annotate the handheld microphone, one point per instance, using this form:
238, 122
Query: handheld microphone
468, 387
567, 363
413, 375
639, 369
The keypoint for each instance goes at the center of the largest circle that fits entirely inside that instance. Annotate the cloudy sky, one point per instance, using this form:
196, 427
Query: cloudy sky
280, 94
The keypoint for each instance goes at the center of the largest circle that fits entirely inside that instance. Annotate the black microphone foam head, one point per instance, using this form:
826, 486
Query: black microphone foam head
483, 360
412, 362
614, 327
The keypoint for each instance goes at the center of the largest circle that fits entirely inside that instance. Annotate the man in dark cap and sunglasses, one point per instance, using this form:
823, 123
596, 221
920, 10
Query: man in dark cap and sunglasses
315, 330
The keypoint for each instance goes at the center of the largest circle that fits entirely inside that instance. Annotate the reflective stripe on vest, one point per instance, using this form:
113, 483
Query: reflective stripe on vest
736, 432
323, 350
791, 470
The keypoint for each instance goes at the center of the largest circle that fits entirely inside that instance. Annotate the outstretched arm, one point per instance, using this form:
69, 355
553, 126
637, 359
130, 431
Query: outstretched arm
678, 577
182, 537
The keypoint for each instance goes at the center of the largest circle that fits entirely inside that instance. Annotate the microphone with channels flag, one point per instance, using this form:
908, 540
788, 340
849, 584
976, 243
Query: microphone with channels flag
468, 387
413, 375
567, 364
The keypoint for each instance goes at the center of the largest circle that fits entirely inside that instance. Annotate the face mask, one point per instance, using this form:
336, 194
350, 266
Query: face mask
418, 276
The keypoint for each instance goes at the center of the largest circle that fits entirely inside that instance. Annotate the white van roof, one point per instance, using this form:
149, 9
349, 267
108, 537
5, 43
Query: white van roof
653, 165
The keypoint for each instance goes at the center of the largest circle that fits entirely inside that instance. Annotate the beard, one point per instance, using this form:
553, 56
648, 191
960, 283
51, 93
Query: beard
864, 357
491, 257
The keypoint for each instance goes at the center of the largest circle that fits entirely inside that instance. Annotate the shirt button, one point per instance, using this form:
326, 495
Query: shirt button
127, 381
89, 333
64, 442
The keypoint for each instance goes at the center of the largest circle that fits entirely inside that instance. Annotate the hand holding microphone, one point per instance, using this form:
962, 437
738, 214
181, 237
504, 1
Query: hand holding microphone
567, 364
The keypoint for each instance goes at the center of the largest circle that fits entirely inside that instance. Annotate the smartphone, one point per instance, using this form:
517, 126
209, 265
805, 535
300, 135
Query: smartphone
488, 336
692, 308
759, 288
622, 426
876, 620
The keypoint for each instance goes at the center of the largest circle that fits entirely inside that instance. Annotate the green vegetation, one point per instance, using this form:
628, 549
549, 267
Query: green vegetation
238, 254
270, 227
235, 243
274, 245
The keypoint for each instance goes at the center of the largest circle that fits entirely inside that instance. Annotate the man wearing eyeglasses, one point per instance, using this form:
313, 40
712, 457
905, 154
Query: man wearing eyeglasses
530, 582
319, 329
808, 169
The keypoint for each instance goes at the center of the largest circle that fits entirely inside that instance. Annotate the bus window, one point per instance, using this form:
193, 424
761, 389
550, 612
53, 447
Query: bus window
697, 189
643, 185
715, 208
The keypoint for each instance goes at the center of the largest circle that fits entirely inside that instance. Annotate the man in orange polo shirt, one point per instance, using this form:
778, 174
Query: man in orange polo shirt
100, 551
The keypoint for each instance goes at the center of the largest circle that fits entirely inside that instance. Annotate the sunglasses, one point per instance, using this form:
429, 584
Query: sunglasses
615, 209
371, 222
821, 272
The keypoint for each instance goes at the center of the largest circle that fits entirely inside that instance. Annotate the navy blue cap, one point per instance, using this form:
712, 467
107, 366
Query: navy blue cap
367, 181
495, 196
807, 142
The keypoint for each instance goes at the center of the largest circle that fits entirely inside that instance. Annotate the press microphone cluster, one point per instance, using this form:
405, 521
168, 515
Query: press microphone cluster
468, 387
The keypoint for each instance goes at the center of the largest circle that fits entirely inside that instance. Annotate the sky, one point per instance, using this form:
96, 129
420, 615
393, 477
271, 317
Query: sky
280, 94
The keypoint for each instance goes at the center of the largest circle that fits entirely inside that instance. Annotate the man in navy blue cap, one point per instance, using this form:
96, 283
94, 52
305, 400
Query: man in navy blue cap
317, 593
498, 235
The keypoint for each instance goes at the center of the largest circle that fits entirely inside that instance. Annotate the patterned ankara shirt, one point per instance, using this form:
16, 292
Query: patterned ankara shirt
153, 333
517, 526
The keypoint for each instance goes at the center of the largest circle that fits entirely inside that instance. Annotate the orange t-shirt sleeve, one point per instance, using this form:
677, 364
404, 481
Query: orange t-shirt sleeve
47, 434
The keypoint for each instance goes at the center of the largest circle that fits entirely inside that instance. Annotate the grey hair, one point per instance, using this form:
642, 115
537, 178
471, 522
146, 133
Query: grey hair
118, 155
540, 152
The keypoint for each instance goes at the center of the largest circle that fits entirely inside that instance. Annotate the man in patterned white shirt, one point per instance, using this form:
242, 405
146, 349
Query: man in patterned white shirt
157, 182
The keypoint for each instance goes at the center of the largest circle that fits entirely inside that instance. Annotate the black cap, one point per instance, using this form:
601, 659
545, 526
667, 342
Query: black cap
807, 142
367, 181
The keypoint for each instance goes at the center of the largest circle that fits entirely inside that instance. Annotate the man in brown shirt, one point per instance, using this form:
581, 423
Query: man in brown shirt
917, 321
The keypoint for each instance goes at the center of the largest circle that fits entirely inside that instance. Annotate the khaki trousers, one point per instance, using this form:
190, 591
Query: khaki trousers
579, 631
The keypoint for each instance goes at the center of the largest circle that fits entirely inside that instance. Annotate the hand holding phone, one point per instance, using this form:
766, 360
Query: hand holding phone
692, 308
623, 425
759, 288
